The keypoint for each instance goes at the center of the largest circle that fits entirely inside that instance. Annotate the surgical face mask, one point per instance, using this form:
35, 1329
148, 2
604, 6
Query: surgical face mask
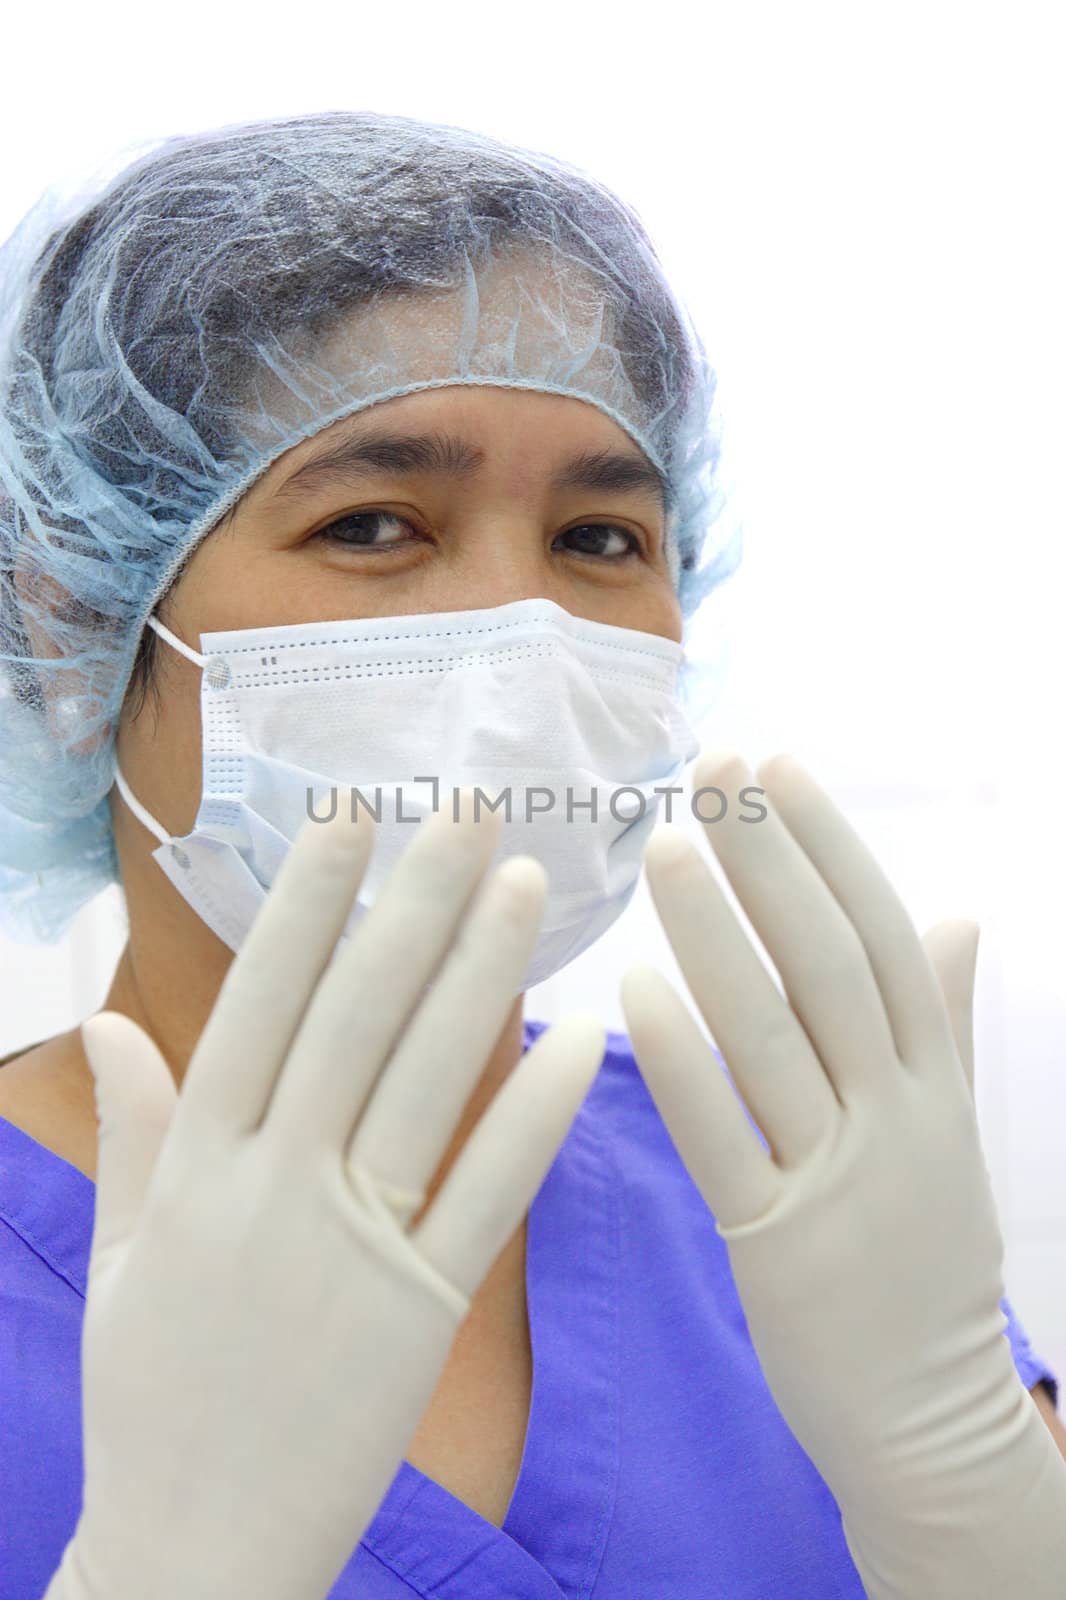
566, 726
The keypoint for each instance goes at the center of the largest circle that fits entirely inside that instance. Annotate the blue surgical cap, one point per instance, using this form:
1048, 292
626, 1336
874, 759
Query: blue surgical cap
167, 332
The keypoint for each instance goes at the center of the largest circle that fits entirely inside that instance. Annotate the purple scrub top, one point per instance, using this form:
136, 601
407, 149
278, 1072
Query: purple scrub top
656, 1465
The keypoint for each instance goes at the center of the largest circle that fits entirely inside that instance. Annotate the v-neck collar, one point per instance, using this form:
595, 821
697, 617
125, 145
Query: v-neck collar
553, 1536
552, 1539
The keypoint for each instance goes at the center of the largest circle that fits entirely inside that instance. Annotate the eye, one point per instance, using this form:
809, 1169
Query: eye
359, 529
594, 537
381, 531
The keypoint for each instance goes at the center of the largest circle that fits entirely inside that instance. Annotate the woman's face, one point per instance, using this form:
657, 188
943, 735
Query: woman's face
318, 540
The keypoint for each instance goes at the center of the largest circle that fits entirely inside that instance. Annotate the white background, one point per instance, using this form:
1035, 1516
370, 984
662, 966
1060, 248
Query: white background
861, 205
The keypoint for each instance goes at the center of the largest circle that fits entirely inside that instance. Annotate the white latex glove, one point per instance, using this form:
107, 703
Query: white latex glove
865, 1245
263, 1330
952, 950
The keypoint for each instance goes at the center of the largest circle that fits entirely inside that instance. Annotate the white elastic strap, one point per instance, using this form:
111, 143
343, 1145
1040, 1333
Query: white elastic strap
179, 644
138, 810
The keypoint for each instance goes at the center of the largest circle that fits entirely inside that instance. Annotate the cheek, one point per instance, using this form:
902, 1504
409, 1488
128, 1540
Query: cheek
159, 744
661, 612
235, 578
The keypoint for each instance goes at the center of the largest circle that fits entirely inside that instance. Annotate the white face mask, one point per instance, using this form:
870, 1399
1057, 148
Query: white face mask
542, 710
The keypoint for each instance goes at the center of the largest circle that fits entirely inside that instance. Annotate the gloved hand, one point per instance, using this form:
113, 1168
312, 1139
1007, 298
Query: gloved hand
864, 1243
952, 951
263, 1330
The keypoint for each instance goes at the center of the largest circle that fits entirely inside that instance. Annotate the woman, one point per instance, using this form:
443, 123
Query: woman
354, 464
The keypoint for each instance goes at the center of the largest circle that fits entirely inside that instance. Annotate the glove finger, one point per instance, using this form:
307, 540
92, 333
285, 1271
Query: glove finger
769, 1055
135, 1099
807, 934
910, 1008
952, 950
379, 977
507, 1156
273, 978
411, 1117
703, 1115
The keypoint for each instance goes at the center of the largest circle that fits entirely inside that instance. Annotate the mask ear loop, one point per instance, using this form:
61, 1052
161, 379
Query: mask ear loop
144, 816
138, 810
179, 644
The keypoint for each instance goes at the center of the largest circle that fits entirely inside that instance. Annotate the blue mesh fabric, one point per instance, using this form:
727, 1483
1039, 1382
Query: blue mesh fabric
167, 332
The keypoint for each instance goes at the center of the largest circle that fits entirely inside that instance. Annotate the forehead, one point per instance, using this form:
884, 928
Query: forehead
468, 420
455, 432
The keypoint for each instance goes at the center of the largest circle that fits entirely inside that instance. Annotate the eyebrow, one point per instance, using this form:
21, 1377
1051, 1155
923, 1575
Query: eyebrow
448, 456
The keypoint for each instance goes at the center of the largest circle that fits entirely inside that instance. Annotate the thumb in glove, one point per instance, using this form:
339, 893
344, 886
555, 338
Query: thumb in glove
135, 1099
952, 950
